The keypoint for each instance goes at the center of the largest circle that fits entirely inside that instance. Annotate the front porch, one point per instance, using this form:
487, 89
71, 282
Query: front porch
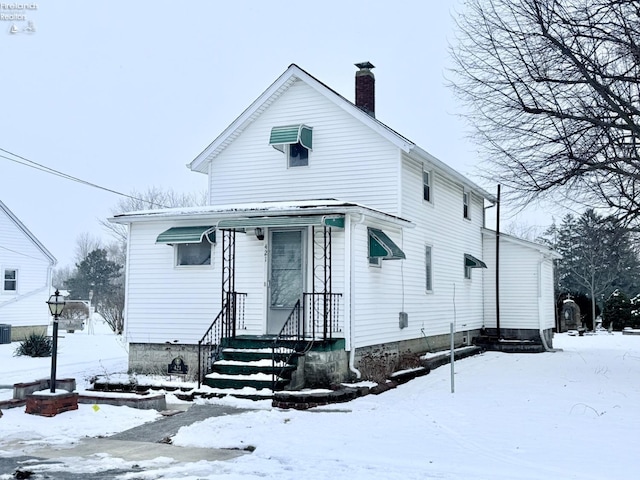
275, 359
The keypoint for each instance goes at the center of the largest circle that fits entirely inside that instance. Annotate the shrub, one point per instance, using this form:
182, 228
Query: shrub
35, 345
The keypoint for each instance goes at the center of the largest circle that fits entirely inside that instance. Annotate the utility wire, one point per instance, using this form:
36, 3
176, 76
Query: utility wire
30, 163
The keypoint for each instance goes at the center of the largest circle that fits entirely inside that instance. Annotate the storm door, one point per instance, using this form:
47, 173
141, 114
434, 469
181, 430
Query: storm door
286, 276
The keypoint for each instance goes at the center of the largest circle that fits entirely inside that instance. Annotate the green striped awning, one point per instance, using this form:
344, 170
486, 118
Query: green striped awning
187, 235
381, 246
473, 262
336, 221
290, 134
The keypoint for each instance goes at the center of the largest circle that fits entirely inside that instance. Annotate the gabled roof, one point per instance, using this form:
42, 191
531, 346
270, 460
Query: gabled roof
543, 249
27, 233
277, 88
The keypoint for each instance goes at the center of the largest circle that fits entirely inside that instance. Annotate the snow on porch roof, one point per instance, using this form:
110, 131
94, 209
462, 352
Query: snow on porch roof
259, 209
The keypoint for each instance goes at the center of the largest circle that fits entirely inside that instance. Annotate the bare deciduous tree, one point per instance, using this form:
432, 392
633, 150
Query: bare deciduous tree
151, 199
553, 93
85, 244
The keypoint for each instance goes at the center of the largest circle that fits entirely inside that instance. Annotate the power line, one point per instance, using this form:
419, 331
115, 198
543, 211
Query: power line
30, 163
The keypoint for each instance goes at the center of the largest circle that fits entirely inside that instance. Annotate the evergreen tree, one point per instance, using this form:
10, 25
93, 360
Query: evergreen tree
598, 257
95, 273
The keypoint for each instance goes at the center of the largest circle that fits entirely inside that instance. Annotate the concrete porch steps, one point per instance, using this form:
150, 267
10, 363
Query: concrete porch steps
248, 362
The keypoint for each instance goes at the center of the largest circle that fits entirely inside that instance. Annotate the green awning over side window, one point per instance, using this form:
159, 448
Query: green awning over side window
290, 134
381, 246
187, 235
473, 262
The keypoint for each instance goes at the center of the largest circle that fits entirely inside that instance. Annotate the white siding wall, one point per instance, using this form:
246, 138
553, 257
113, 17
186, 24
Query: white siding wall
400, 285
27, 306
167, 303
526, 286
348, 162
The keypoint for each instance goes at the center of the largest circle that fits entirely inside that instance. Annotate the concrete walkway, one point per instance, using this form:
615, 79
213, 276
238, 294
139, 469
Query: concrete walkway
149, 441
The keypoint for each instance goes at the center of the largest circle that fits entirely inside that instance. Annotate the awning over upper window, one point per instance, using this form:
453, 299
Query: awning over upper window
287, 135
336, 221
381, 246
187, 235
473, 262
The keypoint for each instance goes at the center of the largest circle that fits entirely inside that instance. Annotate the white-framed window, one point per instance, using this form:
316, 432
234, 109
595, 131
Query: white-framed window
466, 200
467, 271
297, 155
375, 262
427, 193
193, 254
10, 280
428, 268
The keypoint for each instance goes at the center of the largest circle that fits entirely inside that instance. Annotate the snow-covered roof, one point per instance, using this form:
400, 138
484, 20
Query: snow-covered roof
281, 85
259, 209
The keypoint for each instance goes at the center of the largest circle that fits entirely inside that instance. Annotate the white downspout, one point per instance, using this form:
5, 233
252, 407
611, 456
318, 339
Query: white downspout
350, 260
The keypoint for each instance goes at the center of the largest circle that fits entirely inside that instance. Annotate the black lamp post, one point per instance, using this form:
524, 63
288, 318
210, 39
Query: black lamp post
56, 305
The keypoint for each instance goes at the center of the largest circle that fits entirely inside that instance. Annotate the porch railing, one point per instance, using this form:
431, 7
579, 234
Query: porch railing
316, 319
228, 321
322, 315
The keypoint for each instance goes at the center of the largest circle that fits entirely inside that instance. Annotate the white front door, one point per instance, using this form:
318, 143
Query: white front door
286, 275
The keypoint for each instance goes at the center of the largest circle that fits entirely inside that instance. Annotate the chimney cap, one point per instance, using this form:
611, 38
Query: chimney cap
365, 65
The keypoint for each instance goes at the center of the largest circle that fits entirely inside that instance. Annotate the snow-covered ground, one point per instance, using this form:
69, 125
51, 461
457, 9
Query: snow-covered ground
573, 414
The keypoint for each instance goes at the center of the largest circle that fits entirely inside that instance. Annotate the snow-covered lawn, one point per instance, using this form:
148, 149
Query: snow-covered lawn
573, 414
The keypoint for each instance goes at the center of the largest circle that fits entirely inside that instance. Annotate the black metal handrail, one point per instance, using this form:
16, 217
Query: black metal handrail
228, 321
281, 350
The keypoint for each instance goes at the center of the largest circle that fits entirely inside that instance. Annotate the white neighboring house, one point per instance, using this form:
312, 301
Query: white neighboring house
26, 267
326, 222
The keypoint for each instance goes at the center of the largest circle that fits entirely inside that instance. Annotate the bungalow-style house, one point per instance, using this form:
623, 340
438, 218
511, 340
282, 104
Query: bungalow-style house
326, 227
26, 267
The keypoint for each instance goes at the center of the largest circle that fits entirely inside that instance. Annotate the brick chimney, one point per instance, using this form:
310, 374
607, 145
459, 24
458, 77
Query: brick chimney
366, 88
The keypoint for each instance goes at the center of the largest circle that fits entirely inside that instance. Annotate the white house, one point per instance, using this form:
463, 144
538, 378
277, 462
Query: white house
326, 222
26, 267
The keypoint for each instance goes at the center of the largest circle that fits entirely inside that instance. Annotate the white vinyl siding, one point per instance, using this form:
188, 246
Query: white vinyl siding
25, 306
526, 286
349, 161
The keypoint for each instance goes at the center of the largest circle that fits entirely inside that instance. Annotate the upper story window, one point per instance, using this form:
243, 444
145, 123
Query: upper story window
466, 211
296, 141
10, 280
426, 186
297, 155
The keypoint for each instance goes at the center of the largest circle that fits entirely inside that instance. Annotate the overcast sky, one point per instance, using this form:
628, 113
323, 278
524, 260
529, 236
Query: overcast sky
124, 94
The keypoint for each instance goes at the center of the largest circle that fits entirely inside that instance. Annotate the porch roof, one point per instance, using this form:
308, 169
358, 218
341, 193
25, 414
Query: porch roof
336, 221
327, 211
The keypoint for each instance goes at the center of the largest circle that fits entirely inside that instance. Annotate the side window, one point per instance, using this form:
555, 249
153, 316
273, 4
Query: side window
193, 254
10, 280
428, 269
467, 271
426, 186
298, 155
465, 205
